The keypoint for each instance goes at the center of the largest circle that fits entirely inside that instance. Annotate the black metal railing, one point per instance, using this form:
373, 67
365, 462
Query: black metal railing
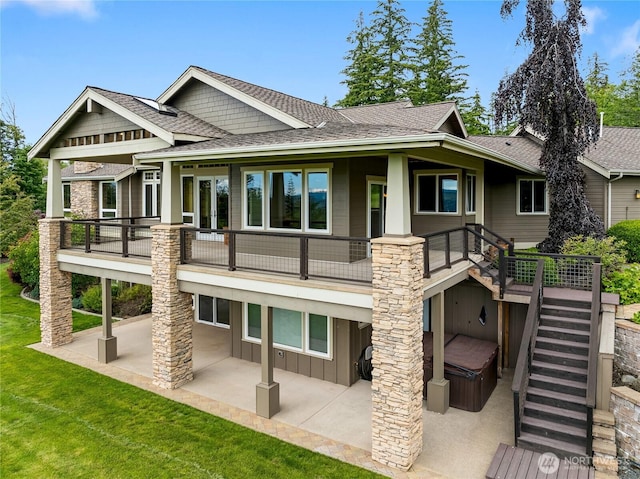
594, 344
307, 256
123, 236
522, 370
563, 271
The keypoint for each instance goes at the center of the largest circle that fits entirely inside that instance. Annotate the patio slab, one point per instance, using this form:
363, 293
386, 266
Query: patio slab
318, 415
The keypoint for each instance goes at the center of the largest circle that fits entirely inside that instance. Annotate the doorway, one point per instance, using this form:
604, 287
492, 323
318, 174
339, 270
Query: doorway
213, 206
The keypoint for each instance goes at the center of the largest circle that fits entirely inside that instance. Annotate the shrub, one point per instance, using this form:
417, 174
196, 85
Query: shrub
76, 303
133, 301
626, 283
636, 318
610, 250
80, 283
628, 231
92, 299
25, 260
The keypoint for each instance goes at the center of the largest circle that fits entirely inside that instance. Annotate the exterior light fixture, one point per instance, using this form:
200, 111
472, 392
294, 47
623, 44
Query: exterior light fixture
637, 194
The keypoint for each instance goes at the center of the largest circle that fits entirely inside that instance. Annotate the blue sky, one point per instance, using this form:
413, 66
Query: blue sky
52, 49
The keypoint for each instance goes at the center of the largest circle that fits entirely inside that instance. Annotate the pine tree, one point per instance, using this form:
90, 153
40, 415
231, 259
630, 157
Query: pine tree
359, 72
475, 116
547, 94
629, 91
436, 76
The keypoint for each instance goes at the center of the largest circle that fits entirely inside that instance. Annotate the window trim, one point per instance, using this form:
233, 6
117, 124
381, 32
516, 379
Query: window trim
437, 174
66, 184
100, 198
215, 313
192, 214
155, 191
305, 340
519, 211
305, 170
467, 194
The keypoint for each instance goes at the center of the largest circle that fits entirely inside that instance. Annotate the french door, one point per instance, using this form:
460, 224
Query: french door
376, 208
213, 206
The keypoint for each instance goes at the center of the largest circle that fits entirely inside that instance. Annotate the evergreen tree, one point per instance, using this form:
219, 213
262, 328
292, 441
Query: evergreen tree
359, 72
629, 92
547, 94
436, 76
475, 116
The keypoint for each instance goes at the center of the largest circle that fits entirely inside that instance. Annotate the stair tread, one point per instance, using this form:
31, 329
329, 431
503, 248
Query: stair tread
558, 367
559, 381
560, 355
552, 443
565, 342
567, 319
556, 329
563, 307
580, 400
555, 426
557, 411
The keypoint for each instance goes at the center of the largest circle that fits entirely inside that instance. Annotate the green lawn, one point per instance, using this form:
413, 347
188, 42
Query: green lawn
60, 420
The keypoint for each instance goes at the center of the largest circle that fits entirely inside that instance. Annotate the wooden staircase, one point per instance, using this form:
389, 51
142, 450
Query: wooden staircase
555, 412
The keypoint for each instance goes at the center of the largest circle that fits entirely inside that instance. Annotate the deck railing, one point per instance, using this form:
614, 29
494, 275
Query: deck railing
563, 271
594, 343
123, 236
522, 370
307, 256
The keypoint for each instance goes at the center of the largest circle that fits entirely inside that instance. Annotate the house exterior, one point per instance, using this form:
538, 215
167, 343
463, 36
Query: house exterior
299, 227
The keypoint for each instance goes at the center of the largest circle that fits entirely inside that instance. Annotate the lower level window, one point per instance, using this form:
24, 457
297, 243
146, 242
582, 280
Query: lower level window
212, 311
295, 330
532, 196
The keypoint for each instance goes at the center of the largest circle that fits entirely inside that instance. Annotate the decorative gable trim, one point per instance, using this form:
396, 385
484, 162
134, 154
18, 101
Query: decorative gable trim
93, 99
453, 112
196, 74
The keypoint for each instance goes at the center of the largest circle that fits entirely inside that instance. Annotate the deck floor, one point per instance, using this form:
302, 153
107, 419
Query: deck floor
512, 462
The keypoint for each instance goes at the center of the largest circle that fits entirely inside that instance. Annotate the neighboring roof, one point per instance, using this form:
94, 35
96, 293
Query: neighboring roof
106, 171
271, 102
178, 122
618, 150
519, 148
402, 113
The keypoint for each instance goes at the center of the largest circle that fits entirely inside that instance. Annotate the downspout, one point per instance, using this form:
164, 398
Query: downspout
620, 175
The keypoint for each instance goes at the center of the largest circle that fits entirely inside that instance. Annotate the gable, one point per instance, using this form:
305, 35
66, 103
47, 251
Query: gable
222, 110
89, 124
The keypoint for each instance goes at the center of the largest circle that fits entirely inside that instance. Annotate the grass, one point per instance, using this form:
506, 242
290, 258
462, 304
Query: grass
60, 420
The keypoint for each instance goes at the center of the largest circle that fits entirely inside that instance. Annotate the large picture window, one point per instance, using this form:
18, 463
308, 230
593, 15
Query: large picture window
437, 193
288, 199
301, 332
532, 196
108, 199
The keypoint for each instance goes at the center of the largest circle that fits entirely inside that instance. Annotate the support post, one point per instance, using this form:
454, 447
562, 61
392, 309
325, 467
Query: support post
107, 344
267, 391
438, 387
397, 385
500, 335
398, 212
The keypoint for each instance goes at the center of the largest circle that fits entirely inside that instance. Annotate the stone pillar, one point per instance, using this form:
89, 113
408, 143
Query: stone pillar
55, 288
85, 199
172, 317
396, 389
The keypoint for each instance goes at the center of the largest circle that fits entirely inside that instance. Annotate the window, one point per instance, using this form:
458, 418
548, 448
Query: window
151, 193
532, 196
66, 196
187, 200
302, 332
108, 199
213, 311
470, 194
287, 199
437, 193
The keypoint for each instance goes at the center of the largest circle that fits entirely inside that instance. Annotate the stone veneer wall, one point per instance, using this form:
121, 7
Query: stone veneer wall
627, 346
396, 388
625, 405
85, 166
172, 317
85, 198
55, 288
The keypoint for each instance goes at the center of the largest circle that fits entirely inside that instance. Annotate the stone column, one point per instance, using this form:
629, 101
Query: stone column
396, 388
85, 199
55, 288
172, 317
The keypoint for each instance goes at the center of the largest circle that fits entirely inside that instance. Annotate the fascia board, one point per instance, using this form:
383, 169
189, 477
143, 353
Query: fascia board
108, 149
229, 90
594, 166
452, 111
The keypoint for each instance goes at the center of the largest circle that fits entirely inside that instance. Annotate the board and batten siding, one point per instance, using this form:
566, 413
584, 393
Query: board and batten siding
222, 110
463, 303
624, 205
87, 124
347, 342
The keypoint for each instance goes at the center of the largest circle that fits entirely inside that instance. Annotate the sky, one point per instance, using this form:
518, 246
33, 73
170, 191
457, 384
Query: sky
50, 50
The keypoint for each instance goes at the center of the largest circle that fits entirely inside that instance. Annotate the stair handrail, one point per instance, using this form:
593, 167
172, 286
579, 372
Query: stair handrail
520, 382
502, 245
479, 227
594, 345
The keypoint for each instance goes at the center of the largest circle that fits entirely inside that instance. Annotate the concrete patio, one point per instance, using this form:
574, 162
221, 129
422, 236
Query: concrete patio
318, 415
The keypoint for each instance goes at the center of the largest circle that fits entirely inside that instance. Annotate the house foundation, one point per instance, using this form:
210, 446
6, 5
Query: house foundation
55, 288
396, 388
172, 316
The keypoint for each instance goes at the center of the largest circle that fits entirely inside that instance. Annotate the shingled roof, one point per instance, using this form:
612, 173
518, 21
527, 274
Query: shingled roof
617, 150
177, 122
105, 170
401, 113
308, 112
519, 148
